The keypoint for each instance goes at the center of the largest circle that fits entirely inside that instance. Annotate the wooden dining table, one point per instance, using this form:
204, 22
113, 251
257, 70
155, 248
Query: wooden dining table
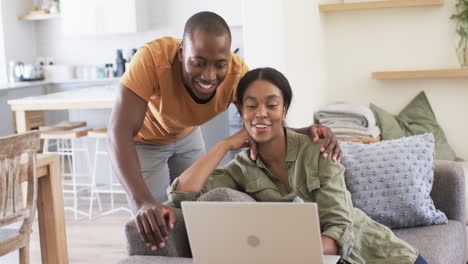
50, 210
27, 108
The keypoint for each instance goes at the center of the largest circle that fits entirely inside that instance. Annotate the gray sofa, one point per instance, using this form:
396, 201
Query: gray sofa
437, 244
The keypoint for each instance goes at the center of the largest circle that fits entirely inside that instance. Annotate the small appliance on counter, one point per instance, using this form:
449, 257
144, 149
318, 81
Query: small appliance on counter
20, 72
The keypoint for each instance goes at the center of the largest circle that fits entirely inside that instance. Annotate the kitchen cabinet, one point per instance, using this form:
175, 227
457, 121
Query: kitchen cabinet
95, 17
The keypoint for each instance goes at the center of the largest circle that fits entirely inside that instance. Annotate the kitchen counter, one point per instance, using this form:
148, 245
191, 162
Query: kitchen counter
85, 98
100, 97
102, 81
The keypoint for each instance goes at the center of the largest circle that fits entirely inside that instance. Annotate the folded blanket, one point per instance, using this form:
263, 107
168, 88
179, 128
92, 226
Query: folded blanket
346, 115
358, 133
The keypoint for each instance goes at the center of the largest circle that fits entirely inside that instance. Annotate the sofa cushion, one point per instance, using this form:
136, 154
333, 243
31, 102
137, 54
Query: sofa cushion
438, 243
155, 260
392, 180
226, 195
464, 164
417, 118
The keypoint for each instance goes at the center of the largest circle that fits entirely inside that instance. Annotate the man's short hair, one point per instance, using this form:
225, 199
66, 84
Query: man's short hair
207, 21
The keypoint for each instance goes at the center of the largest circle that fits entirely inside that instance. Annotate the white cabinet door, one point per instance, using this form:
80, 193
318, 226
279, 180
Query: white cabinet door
115, 16
78, 17
91, 17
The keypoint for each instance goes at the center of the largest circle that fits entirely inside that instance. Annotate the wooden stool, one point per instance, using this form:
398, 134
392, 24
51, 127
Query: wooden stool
112, 187
64, 125
69, 144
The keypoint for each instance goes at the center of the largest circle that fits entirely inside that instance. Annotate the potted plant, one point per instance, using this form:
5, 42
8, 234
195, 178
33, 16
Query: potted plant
461, 16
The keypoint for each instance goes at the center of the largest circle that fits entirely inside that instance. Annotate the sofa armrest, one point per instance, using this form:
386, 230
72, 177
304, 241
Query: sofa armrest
448, 190
176, 246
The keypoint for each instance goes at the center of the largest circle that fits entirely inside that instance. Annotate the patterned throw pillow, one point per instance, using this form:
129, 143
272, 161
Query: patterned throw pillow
392, 180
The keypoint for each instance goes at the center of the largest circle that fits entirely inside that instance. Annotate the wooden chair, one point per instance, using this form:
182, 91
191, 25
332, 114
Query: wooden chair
12, 207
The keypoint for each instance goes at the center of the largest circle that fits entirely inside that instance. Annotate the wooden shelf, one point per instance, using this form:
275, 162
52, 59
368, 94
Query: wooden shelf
38, 16
378, 4
422, 74
362, 140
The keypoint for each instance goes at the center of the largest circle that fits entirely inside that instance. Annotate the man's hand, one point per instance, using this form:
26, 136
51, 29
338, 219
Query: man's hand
329, 144
151, 220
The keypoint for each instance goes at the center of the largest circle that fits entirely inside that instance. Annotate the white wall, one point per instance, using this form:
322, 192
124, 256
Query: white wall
264, 34
287, 36
18, 36
181, 10
360, 42
3, 60
305, 61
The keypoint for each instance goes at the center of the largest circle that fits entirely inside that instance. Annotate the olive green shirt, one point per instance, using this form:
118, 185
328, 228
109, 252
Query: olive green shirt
314, 179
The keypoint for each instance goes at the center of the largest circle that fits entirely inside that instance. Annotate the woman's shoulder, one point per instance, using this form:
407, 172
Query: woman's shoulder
302, 143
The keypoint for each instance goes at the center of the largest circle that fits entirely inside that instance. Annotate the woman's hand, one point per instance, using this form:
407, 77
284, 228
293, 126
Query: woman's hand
241, 139
329, 246
193, 179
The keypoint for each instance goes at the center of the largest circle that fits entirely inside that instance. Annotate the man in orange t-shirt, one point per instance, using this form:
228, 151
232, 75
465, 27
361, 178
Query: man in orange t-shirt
171, 88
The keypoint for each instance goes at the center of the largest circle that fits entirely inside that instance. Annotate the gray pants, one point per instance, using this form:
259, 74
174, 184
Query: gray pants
160, 165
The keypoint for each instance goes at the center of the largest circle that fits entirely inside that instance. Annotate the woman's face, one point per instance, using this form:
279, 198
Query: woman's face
263, 111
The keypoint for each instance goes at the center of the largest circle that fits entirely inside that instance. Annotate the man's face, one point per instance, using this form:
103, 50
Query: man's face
205, 61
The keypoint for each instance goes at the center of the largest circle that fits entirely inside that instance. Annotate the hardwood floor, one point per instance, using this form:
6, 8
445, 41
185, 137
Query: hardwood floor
100, 240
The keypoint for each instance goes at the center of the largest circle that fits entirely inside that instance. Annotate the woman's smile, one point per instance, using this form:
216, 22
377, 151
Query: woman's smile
261, 127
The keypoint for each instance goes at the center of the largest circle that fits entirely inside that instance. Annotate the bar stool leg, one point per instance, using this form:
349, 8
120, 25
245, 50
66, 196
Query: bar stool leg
111, 187
94, 185
48, 143
45, 148
93, 178
74, 173
111, 184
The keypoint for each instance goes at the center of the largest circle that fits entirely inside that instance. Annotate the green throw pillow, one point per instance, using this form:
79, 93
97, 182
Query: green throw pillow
417, 118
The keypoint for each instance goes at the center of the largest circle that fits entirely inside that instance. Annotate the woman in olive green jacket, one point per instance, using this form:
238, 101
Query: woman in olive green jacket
289, 165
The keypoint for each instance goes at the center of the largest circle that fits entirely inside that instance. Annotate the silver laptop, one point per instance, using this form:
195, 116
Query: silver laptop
263, 232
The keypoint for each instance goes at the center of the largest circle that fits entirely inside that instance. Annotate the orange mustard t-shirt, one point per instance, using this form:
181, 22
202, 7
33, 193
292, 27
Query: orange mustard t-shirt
154, 75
